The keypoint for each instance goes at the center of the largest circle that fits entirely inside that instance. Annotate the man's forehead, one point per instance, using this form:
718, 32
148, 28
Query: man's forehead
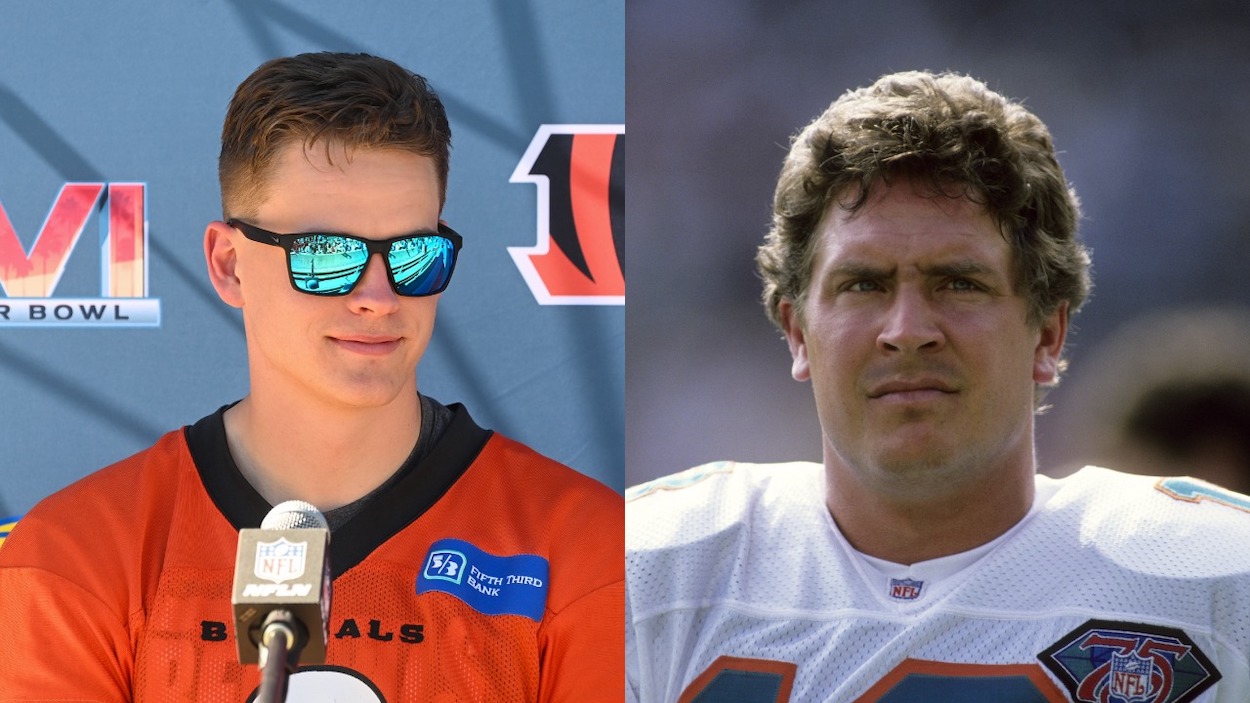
886, 196
899, 233
328, 153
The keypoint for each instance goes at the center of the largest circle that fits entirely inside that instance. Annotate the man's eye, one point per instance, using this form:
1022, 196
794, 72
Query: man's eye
863, 286
962, 284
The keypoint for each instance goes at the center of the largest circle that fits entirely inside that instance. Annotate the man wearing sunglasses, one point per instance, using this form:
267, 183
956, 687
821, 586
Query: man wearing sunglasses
465, 565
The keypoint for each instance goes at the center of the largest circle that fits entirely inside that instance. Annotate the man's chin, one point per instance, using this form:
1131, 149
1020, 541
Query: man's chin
365, 394
915, 462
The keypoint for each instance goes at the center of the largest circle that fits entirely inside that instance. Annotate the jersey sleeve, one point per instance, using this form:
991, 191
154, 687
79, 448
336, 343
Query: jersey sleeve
58, 642
631, 676
584, 648
631, 658
581, 644
70, 575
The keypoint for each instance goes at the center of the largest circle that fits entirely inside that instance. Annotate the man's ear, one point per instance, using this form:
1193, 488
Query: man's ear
795, 338
222, 260
1049, 349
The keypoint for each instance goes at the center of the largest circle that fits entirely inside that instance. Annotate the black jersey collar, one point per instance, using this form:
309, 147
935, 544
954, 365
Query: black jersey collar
421, 485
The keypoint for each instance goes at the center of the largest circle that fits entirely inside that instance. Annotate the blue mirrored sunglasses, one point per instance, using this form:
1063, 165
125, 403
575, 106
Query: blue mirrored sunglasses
331, 264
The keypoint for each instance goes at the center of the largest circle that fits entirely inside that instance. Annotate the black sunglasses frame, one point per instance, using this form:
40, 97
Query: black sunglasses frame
372, 246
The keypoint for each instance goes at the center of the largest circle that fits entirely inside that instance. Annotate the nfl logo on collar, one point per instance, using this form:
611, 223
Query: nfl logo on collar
905, 589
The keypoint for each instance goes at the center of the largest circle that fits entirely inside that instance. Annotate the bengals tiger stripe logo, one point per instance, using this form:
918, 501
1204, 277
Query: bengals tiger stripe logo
580, 174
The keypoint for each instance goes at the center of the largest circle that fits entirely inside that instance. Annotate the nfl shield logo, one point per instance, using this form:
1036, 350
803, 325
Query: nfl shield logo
905, 589
280, 560
1131, 680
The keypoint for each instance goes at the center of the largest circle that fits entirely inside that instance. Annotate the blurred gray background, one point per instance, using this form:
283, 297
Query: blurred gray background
1148, 105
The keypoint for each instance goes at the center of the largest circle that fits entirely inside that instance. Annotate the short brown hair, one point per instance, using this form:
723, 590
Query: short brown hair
959, 137
355, 100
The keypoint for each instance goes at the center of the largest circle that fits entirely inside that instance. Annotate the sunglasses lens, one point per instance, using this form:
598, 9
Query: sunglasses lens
421, 265
323, 264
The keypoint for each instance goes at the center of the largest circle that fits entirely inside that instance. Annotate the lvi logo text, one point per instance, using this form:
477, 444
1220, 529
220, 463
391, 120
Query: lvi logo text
28, 279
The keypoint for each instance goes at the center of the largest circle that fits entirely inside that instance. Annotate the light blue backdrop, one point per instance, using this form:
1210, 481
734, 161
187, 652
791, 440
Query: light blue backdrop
131, 91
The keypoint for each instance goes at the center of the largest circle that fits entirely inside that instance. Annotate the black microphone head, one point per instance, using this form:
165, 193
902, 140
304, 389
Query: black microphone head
294, 515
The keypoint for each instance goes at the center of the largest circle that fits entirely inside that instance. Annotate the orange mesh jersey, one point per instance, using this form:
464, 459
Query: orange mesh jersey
118, 587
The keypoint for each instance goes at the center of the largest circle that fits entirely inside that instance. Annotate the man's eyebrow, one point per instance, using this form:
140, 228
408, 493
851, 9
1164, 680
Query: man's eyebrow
860, 269
966, 267
852, 269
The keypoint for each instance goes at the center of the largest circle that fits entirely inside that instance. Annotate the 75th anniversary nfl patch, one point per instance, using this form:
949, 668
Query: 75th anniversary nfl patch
1104, 661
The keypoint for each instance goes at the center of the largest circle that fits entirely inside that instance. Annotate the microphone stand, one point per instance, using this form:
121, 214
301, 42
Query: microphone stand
280, 645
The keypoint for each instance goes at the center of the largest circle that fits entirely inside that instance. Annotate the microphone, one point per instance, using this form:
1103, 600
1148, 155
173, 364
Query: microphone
282, 587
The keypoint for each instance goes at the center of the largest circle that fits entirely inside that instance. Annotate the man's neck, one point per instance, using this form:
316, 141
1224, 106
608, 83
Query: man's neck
328, 456
912, 529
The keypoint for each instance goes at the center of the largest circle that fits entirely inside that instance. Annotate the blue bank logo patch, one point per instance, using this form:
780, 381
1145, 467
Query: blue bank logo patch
490, 584
445, 565
1124, 662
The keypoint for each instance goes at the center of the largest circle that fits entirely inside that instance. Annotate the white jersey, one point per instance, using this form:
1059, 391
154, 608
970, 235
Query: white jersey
1114, 589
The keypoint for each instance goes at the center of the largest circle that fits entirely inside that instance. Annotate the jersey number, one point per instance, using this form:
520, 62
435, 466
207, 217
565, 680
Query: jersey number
1193, 491
922, 681
740, 680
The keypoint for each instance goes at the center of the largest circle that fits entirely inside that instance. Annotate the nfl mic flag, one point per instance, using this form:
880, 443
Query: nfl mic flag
283, 565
